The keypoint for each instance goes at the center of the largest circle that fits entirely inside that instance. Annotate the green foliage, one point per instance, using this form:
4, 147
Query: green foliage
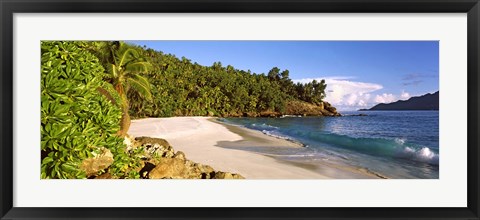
313, 92
76, 120
179, 87
182, 88
125, 73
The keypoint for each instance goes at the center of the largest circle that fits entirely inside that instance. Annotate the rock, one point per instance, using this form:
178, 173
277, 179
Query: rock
226, 175
194, 172
155, 147
152, 141
250, 114
238, 176
101, 161
321, 105
205, 176
169, 168
170, 165
202, 168
223, 175
194, 175
168, 153
331, 109
179, 155
269, 113
146, 169
325, 112
309, 109
326, 104
131, 143
206, 169
359, 115
189, 163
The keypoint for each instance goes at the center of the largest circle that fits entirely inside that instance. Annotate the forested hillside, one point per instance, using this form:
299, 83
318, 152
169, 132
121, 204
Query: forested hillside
180, 87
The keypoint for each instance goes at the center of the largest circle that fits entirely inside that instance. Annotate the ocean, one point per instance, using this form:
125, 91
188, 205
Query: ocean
393, 144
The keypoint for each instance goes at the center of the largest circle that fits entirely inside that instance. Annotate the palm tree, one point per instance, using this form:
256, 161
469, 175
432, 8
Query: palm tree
125, 74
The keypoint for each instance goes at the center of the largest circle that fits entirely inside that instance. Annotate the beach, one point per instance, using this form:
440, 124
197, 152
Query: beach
207, 141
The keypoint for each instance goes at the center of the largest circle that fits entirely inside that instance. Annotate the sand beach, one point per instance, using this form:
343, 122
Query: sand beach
207, 141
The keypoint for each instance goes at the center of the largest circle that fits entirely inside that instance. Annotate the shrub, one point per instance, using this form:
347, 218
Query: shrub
77, 121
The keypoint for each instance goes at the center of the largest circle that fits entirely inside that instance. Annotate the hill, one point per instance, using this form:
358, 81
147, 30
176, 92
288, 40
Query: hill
181, 87
425, 102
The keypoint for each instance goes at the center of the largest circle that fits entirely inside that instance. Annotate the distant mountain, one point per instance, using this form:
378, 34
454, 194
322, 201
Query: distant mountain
424, 102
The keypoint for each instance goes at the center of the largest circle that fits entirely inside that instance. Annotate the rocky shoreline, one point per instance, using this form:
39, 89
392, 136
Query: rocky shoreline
308, 109
295, 108
160, 161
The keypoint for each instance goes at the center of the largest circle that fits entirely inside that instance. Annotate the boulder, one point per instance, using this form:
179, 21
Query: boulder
327, 105
101, 161
179, 155
199, 171
226, 175
152, 141
174, 165
321, 105
223, 175
155, 146
168, 153
237, 176
206, 169
171, 168
331, 109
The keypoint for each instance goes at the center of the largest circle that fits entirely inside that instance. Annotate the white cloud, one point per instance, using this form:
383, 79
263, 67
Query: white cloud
352, 99
362, 103
404, 95
385, 98
345, 93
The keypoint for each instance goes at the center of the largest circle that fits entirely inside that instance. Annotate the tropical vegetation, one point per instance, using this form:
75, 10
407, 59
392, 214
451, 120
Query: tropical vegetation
77, 122
90, 89
180, 87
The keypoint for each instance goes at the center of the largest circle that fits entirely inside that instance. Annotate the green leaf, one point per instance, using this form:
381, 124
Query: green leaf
47, 160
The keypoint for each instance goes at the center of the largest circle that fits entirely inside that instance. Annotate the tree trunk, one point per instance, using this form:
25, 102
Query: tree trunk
124, 123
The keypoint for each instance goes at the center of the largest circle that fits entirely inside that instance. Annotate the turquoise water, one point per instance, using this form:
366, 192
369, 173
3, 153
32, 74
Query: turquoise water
395, 144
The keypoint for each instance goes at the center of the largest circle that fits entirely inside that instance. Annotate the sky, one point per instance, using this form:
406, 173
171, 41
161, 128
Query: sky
359, 74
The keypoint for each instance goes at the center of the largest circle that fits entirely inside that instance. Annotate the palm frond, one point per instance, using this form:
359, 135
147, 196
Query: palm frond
140, 85
138, 67
113, 71
126, 56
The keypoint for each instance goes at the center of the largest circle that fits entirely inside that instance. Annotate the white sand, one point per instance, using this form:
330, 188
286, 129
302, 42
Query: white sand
198, 138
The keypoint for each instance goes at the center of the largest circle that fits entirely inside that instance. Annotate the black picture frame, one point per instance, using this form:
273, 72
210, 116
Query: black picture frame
9, 7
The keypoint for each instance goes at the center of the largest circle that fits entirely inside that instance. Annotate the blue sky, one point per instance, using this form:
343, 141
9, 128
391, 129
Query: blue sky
359, 74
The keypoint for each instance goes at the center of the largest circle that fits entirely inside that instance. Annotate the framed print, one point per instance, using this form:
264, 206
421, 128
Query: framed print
231, 109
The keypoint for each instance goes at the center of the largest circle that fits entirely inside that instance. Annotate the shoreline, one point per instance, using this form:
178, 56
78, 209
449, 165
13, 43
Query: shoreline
258, 138
208, 141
